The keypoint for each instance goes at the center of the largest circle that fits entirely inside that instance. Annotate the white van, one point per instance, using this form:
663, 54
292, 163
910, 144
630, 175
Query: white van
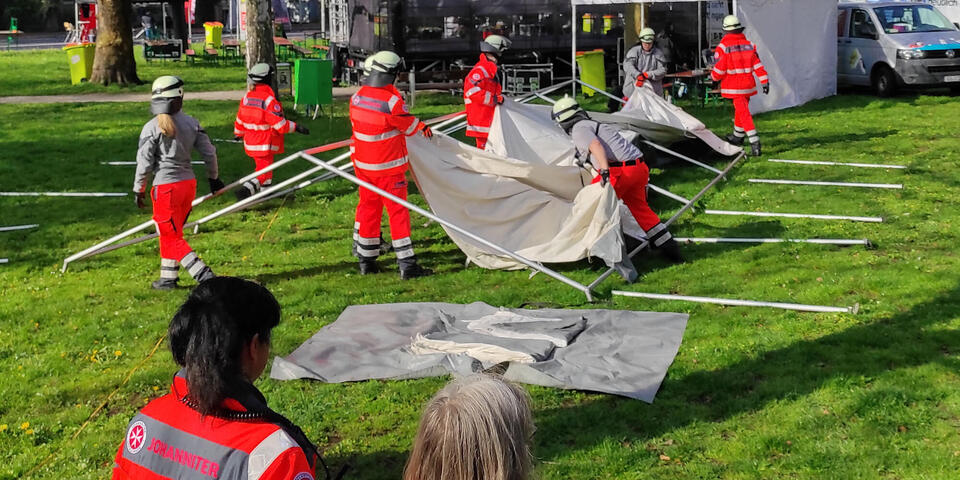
888, 45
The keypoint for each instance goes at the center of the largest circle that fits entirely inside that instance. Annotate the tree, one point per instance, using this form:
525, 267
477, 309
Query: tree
260, 34
113, 61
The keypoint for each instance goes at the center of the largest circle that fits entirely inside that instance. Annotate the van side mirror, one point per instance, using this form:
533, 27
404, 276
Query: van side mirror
956, 24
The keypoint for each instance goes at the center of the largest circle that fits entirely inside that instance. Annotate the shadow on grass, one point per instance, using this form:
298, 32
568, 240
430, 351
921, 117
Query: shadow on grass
858, 354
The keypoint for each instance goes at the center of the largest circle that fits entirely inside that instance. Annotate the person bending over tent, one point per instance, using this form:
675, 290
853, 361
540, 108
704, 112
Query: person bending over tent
261, 125
381, 122
621, 164
644, 63
166, 142
482, 91
737, 61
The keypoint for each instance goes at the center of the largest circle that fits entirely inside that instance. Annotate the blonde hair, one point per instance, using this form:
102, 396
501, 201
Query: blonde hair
476, 428
167, 127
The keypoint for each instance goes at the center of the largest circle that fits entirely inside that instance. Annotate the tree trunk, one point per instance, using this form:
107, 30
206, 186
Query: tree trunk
113, 61
260, 35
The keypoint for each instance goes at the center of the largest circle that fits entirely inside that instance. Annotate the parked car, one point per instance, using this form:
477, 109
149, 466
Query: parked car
888, 45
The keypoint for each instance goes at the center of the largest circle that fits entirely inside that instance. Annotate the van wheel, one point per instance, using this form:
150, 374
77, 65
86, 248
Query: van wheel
884, 81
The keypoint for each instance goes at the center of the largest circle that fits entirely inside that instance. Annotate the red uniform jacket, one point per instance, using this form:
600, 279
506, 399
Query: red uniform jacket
480, 93
168, 439
261, 123
737, 61
381, 122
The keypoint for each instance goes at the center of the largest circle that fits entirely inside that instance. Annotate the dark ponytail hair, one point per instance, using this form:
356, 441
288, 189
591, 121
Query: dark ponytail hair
209, 331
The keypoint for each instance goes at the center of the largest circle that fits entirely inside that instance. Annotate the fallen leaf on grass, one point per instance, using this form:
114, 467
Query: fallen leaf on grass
664, 458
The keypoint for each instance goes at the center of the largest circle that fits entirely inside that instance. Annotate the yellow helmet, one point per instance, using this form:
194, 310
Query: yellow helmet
731, 22
647, 35
565, 109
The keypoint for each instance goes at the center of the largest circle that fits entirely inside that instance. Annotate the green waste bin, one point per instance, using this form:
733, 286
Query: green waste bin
313, 82
80, 57
592, 70
214, 32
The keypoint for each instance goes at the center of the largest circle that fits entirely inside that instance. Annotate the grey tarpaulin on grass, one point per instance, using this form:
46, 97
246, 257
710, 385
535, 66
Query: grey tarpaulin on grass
619, 352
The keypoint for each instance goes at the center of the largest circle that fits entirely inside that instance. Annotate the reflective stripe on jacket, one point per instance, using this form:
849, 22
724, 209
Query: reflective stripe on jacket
261, 123
737, 61
168, 439
480, 92
381, 122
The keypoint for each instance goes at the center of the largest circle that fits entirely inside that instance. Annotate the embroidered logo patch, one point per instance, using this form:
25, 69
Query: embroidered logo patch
303, 476
476, 76
136, 437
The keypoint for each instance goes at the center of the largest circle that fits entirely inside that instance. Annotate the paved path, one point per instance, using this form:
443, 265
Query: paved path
233, 95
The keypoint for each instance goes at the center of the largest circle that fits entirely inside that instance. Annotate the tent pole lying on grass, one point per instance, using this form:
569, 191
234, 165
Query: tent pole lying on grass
796, 215
821, 241
682, 157
675, 216
19, 227
460, 230
94, 249
667, 193
742, 303
4, 260
62, 194
836, 164
895, 186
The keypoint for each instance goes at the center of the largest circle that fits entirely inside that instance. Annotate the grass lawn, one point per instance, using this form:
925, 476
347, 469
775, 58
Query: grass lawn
47, 72
754, 393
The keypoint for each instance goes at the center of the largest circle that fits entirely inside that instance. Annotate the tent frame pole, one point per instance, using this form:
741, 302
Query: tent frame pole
778, 181
796, 215
742, 303
681, 157
817, 241
573, 48
409, 206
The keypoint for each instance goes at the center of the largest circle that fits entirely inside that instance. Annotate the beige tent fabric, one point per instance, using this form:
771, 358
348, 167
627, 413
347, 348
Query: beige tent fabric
647, 105
539, 211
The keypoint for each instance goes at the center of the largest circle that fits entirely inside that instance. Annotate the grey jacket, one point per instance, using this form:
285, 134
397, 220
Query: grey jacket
168, 159
637, 61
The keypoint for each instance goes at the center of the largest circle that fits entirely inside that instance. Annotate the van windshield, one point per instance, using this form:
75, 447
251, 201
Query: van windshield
912, 18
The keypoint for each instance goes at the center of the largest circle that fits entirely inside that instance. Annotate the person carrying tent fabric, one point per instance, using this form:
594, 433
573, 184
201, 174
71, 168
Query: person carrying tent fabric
482, 91
166, 142
644, 63
736, 63
619, 163
261, 125
381, 122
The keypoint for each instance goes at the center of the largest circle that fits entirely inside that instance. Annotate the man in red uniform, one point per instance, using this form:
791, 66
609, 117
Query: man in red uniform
482, 91
737, 61
381, 123
262, 126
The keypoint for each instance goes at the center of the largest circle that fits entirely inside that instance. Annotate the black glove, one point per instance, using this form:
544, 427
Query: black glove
427, 133
766, 88
141, 199
604, 177
237, 138
215, 185
302, 129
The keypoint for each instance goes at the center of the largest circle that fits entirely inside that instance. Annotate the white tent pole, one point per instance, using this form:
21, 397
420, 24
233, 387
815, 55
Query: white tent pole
699, 34
741, 303
667, 193
19, 227
819, 241
62, 194
675, 216
796, 215
681, 157
452, 226
836, 164
4, 260
895, 186
573, 47
598, 90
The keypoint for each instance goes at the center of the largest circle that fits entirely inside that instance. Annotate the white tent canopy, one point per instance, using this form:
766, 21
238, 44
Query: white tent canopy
797, 42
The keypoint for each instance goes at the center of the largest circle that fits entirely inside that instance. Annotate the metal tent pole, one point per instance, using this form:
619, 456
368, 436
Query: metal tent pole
668, 193
682, 157
573, 47
19, 227
595, 89
837, 164
742, 303
452, 226
674, 218
62, 194
818, 241
895, 186
796, 215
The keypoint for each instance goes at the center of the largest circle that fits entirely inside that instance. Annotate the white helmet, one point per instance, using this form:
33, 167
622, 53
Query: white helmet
731, 22
647, 35
382, 68
166, 95
565, 109
495, 44
260, 73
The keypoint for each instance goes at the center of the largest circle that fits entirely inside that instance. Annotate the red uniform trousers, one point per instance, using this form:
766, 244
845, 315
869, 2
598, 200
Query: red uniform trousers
630, 183
742, 119
370, 207
171, 207
264, 161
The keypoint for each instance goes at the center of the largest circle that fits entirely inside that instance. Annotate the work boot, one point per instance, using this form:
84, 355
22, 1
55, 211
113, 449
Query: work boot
414, 270
196, 267
242, 193
734, 140
164, 284
631, 242
369, 267
755, 148
670, 250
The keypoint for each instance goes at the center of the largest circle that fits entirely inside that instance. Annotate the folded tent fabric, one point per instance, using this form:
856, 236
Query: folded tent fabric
558, 331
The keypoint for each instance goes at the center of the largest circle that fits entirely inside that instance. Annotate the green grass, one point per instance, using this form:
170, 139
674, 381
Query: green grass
754, 393
47, 72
